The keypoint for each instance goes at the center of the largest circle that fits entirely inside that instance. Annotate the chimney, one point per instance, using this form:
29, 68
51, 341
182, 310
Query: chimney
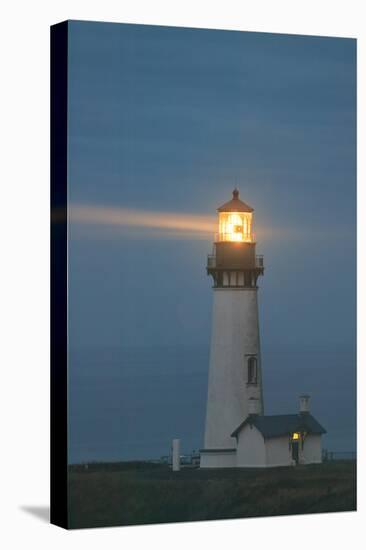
304, 404
253, 406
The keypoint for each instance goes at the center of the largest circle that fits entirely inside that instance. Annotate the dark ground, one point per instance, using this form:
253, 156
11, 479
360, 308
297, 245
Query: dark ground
140, 493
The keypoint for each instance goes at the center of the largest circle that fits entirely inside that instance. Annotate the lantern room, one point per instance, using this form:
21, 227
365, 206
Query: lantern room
235, 221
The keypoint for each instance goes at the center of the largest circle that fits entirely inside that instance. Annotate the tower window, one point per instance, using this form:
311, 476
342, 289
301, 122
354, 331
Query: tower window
252, 370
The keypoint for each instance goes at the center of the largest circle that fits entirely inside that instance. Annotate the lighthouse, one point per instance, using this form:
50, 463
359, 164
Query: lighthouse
237, 432
235, 376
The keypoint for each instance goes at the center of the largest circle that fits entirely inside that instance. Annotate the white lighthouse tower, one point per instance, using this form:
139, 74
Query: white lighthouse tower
235, 379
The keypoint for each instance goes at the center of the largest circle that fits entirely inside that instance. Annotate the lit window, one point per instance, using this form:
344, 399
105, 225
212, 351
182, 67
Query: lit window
235, 226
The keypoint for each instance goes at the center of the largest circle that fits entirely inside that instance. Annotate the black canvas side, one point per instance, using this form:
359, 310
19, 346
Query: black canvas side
59, 491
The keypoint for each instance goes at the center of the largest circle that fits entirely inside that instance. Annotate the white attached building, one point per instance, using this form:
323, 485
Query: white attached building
278, 440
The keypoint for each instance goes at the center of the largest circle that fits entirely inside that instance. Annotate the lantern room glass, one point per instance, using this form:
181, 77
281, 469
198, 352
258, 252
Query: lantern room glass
235, 227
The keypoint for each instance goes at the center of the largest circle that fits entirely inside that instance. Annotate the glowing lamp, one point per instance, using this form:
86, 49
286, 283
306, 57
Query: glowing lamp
235, 221
295, 436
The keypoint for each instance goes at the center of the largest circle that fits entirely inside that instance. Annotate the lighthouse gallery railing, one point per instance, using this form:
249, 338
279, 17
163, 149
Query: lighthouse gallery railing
211, 260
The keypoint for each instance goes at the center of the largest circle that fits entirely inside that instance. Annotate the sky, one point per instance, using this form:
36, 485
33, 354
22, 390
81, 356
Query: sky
163, 124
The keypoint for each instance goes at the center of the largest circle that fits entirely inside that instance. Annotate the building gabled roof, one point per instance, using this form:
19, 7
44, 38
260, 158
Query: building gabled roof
281, 424
235, 205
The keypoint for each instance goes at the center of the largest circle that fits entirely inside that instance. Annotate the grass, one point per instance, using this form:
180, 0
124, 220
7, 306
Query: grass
141, 493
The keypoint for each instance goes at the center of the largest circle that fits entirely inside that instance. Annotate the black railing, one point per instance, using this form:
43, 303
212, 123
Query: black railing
338, 455
211, 261
259, 261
